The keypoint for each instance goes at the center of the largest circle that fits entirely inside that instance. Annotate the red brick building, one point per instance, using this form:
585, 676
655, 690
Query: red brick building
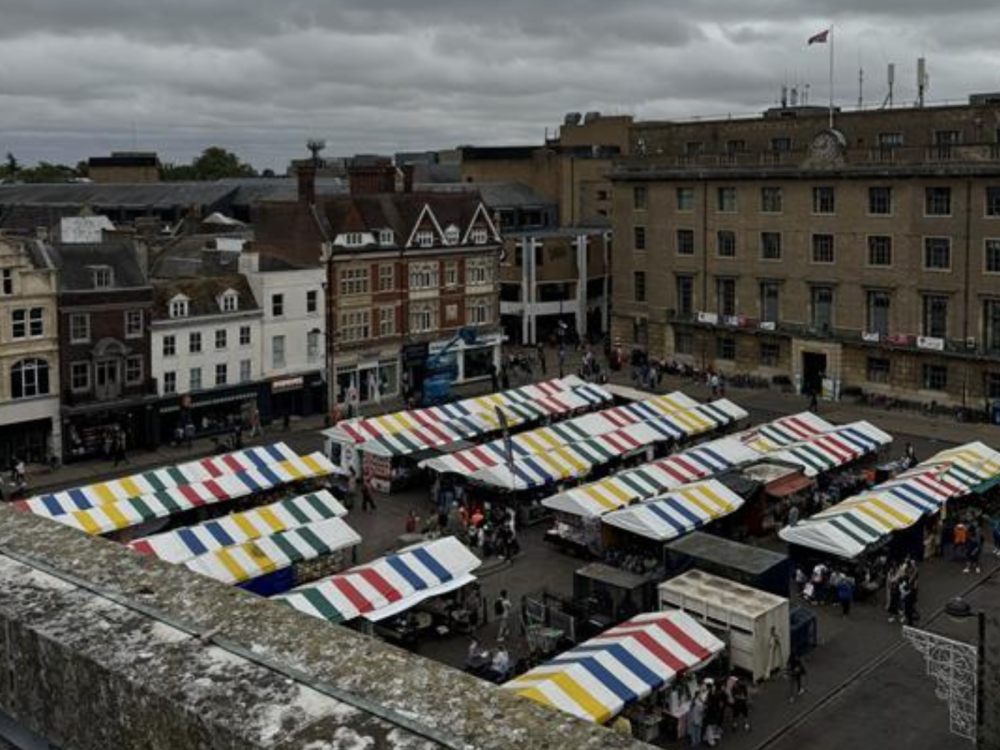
405, 272
104, 310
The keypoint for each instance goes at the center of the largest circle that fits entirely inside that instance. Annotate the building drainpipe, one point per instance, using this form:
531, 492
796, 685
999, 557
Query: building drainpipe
704, 270
966, 296
331, 334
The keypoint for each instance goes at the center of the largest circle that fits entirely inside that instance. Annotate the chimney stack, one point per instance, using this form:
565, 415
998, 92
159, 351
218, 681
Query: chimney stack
371, 176
306, 174
408, 172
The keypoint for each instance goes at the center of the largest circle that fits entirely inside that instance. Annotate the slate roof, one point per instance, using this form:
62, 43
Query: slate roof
75, 262
203, 294
398, 211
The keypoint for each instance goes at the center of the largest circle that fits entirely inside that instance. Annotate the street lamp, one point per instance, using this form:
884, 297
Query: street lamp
960, 610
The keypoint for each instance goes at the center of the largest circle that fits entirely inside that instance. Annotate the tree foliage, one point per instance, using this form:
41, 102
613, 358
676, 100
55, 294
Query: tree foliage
214, 163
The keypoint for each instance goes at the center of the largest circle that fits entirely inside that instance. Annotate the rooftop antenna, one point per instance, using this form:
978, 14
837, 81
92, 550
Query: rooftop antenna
805, 94
892, 83
923, 80
315, 146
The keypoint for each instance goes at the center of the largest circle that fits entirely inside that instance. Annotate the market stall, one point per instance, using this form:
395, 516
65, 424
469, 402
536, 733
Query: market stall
406, 432
623, 667
757, 567
754, 624
777, 434
669, 516
394, 585
136, 515
581, 458
543, 439
867, 521
255, 563
180, 545
834, 449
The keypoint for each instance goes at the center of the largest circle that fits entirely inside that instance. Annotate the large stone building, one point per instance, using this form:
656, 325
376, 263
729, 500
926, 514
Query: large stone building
863, 257
129, 167
29, 353
406, 270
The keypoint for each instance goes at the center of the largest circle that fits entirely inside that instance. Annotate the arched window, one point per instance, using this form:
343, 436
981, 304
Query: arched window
29, 378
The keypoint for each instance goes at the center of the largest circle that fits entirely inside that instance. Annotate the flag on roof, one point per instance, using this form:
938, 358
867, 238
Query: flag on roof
820, 38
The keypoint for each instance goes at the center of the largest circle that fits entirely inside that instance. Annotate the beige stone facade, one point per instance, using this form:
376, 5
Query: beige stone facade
29, 353
867, 256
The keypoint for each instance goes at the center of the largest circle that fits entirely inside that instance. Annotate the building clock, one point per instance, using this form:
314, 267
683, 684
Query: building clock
828, 145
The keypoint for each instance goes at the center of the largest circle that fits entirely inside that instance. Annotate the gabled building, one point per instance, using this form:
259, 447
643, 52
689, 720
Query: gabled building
104, 311
29, 353
206, 343
406, 271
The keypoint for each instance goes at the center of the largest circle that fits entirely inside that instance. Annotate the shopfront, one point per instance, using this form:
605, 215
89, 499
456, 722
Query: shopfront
293, 395
89, 431
368, 381
210, 413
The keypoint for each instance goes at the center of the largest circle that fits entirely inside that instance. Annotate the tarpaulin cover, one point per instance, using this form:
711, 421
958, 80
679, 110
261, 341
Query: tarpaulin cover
244, 562
622, 666
388, 585
159, 480
677, 513
574, 430
835, 448
852, 526
580, 458
124, 514
652, 479
180, 545
472, 416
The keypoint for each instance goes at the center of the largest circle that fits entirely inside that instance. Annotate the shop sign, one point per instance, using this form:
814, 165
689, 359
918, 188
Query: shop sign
931, 343
378, 471
416, 353
288, 384
708, 318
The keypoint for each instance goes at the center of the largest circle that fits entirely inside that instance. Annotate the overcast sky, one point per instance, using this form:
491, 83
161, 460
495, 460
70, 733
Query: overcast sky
261, 76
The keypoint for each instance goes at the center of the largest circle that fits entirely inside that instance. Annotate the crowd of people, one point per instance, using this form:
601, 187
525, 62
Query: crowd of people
715, 705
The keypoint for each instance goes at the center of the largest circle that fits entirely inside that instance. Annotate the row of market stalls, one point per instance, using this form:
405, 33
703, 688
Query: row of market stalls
907, 508
674, 495
387, 448
262, 517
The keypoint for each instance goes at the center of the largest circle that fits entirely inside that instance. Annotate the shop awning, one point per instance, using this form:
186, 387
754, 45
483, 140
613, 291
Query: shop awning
775, 435
789, 484
134, 511
250, 560
180, 545
833, 449
652, 479
677, 513
622, 666
528, 402
579, 459
543, 439
158, 480
389, 585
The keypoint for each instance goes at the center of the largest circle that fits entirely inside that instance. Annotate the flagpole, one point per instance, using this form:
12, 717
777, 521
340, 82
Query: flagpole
831, 75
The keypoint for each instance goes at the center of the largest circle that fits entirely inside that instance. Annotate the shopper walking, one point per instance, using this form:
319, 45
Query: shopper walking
367, 497
973, 549
796, 677
502, 610
695, 719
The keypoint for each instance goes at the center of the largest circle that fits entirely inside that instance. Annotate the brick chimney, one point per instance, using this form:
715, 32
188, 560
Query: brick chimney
368, 177
408, 172
306, 174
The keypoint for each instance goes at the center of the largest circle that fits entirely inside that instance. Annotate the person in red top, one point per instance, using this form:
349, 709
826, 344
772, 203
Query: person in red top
960, 537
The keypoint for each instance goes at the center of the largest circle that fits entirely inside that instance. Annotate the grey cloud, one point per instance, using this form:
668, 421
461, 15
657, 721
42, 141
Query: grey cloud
382, 75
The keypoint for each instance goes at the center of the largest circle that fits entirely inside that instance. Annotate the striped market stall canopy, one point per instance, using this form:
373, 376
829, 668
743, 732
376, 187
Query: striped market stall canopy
389, 585
652, 479
544, 439
159, 480
852, 526
250, 560
580, 458
677, 513
835, 448
134, 511
622, 666
181, 545
786, 431
473, 415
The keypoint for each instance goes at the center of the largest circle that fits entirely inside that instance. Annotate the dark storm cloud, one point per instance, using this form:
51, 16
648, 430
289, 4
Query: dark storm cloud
78, 78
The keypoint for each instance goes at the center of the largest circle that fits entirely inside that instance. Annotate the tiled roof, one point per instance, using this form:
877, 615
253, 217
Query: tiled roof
203, 294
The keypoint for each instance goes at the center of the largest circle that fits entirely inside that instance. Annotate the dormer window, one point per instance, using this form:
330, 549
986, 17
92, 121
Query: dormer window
480, 236
425, 238
229, 301
354, 239
386, 237
452, 235
102, 276
179, 307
